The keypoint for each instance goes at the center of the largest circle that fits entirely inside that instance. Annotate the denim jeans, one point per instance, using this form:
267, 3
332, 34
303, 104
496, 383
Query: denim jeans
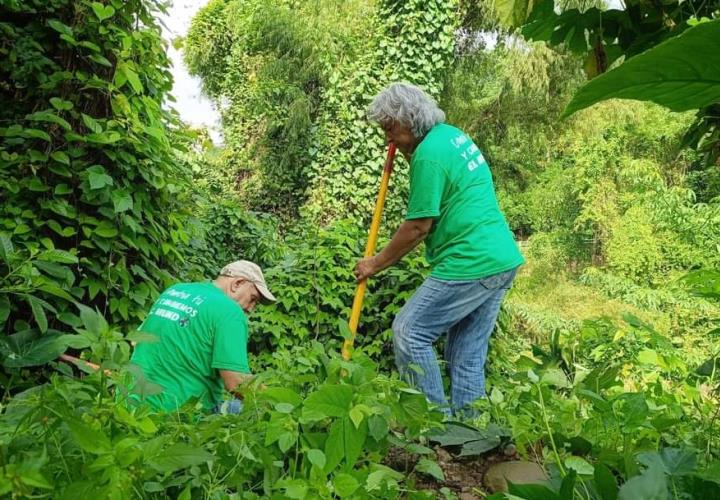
231, 406
467, 311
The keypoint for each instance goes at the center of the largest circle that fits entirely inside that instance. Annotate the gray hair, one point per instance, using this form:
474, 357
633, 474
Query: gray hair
405, 103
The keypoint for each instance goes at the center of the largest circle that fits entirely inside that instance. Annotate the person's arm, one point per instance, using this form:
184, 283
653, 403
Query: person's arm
408, 236
229, 356
233, 379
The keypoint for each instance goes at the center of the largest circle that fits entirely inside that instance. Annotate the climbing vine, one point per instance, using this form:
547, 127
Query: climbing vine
296, 94
89, 178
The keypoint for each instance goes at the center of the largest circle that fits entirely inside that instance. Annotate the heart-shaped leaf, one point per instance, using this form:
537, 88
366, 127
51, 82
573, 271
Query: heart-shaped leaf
103, 11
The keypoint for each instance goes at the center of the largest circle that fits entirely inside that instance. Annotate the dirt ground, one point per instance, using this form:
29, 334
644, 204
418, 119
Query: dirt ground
463, 475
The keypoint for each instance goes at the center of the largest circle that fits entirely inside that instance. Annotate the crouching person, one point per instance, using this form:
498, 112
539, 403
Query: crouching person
202, 332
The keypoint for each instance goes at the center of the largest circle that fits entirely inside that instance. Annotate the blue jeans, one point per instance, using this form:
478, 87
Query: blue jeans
231, 406
467, 310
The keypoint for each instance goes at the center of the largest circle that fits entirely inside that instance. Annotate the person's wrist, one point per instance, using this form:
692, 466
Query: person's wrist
375, 263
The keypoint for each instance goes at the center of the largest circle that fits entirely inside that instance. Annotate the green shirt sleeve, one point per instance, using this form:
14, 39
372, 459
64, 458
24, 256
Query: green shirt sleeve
230, 342
427, 183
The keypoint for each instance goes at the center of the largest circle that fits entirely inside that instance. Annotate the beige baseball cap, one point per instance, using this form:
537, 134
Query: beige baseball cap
251, 272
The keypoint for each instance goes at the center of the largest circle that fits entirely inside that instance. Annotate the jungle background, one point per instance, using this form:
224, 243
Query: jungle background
602, 368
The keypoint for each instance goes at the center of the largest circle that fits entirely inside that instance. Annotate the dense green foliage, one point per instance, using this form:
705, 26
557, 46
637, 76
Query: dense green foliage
604, 364
89, 178
294, 79
314, 430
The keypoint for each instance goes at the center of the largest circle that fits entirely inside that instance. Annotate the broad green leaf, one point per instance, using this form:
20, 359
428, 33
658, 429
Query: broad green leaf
554, 377
89, 439
76, 341
132, 77
281, 395
90, 45
382, 475
56, 291
287, 440
284, 407
480, 446
712, 472
275, 428
473, 441
650, 485
334, 446
457, 433
357, 416
431, 468
344, 442
648, 357
680, 74
27, 348
92, 320
98, 177
51, 117
38, 313
317, 458
186, 493
378, 427
579, 465
92, 124
295, 488
34, 133
101, 60
36, 479
102, 11
60, 157
122, 201
6, 248
60, 27
106, 230
37, 156
605, 482
633, 410
153, 487
673, 461
4, 309
107, 137
156, 132
344, 328
345, 484
513, 13
180, 456
532, 491
328, 401
567, 486
60, 104
496, 396
55, 270
418, 449
59, 256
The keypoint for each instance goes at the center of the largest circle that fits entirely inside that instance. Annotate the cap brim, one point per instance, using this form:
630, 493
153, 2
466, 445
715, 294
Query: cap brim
267, 296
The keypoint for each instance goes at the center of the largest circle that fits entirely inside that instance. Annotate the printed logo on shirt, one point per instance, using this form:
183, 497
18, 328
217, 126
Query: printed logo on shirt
172, 309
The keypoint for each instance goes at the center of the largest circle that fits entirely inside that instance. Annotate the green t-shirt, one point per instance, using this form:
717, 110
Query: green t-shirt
450, 181
199, 331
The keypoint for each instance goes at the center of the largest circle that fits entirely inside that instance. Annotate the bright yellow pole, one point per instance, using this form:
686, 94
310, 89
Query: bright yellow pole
369, 251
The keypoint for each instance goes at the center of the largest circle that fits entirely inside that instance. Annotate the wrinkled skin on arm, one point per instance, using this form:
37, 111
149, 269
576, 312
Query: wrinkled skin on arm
408, 236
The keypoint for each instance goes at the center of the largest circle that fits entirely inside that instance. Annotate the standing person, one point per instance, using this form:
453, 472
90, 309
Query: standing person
202, 332
471, 251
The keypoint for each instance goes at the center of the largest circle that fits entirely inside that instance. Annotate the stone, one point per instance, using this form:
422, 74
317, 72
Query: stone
510, 450
518, 472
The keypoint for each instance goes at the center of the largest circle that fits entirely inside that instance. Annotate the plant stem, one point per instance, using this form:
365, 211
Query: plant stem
547, 427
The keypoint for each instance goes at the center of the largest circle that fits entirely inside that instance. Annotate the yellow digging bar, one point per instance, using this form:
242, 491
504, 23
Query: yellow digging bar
369, 251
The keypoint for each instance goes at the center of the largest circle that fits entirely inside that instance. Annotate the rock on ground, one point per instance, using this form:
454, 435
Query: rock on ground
519, 472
